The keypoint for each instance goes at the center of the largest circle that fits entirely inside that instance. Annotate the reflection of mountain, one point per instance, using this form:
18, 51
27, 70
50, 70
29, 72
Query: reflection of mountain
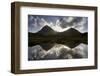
58, 51
48, 45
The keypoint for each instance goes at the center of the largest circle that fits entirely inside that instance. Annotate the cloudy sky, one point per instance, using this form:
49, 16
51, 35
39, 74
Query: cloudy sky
57, 23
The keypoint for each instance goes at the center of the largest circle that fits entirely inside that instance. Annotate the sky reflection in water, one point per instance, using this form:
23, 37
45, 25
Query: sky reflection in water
58, 51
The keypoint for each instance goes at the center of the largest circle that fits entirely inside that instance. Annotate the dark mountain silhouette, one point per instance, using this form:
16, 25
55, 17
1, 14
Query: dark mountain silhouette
47, 31
85, 34
70, 32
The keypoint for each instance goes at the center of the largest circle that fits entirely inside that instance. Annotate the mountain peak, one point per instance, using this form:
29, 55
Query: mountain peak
70, 32
46, 30
73, 29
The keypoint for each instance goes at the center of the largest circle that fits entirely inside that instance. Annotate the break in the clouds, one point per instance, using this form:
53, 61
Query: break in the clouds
58, 51
57, 23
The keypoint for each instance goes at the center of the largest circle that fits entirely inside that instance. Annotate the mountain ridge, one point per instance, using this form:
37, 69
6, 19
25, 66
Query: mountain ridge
47, 31
55, 30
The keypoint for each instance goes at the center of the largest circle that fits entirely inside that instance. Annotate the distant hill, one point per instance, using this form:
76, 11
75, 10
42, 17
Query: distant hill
47, 31
85, 34
70, 32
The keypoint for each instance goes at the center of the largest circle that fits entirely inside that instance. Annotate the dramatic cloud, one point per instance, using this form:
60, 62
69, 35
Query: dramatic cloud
81, 51
35, 23
57, 23
58, 51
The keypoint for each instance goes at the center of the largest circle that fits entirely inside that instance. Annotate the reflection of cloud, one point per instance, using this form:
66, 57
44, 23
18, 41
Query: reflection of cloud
36, 52
57, 23
81, 50
58, 51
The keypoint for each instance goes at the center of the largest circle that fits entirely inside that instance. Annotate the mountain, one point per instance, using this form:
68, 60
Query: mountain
85, 34
70, 32
47, 31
